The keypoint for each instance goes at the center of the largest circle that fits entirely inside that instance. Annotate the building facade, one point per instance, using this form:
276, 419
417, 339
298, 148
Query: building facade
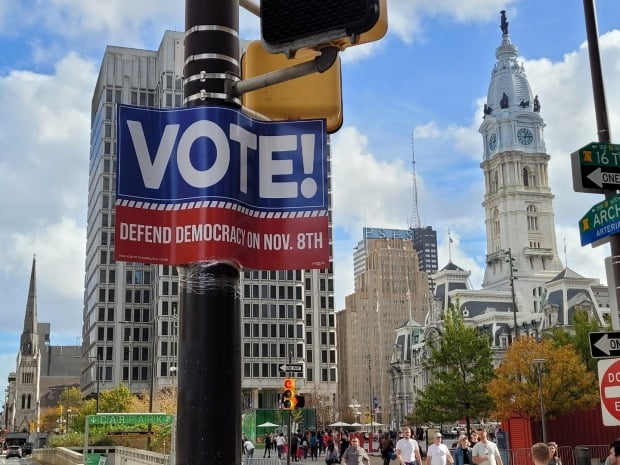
131, 310
41, 371
389, 291
526, 288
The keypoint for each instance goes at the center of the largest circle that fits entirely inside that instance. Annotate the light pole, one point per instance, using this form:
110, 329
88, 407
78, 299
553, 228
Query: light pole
355, 405
539, 362
510, 261
96, 359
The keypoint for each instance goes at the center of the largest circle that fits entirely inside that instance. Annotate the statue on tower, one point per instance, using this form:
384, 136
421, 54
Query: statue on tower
504, 24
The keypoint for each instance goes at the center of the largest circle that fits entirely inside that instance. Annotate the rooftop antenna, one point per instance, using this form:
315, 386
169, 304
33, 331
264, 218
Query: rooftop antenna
416, 213
449, 247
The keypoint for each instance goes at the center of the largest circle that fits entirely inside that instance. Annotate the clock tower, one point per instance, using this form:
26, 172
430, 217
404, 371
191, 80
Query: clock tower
518, 201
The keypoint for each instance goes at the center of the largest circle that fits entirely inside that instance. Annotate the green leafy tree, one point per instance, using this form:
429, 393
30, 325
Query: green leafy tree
461, 365
566, 383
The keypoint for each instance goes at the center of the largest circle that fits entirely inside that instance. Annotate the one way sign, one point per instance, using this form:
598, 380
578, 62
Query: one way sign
604, 345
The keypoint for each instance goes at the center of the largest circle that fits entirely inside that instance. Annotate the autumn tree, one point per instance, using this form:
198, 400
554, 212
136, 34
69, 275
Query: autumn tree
324, 411
566, 383
460, 362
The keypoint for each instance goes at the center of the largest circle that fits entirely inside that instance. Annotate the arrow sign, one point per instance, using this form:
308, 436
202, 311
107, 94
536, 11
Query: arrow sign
605, 344
294, 367
594, 167
608, 179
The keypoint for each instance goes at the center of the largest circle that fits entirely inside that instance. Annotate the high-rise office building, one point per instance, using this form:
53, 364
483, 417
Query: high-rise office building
389, 291
131, 309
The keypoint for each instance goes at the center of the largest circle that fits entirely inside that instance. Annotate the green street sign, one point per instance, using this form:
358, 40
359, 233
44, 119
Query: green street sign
596, 167
130, 419
602, 220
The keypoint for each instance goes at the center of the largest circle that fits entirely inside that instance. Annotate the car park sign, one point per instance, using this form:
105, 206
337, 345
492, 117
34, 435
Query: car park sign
209, 183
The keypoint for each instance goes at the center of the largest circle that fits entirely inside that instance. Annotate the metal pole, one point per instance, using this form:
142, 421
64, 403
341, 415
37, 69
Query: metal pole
512, 288
542, 401
209, 361
602, 121
97, 376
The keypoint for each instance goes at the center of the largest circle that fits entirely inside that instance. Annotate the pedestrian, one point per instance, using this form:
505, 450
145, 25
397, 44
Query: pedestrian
267, 446
540, 453
386, 446
280, 442
407, 449
463, 452
355, 455
344, 443
554, 457
294, 446
438, 453
331, 454
314, 446
485, 452
248, 448
473, 438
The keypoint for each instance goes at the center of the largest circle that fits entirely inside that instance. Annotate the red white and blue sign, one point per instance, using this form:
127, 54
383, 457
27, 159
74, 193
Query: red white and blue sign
209, 183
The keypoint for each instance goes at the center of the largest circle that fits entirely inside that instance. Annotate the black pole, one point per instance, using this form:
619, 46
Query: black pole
209, 361
602, 124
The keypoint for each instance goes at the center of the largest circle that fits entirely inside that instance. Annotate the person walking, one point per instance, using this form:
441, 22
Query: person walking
540, 453
280, 442
386, 445
438, 453
485, 452
407, 449
554, 458
355, 454
267, 446
463, 452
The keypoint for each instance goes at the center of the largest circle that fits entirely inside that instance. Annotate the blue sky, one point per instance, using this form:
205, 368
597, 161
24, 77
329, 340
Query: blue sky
428, 77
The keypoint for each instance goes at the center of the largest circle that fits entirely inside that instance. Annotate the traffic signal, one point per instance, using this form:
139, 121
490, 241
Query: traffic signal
288, 396
288, 25
300, 401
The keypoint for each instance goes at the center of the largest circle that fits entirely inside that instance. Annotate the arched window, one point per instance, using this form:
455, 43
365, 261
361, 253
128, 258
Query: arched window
496, 228
29, 400
526, 176
532, 218
23, 401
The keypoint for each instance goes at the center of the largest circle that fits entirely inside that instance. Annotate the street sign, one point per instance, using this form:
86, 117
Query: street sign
609, 384
293, 367
596, 167
605, 344
602, 220
116, 419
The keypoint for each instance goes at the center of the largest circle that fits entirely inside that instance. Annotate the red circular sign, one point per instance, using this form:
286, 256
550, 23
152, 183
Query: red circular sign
610, 389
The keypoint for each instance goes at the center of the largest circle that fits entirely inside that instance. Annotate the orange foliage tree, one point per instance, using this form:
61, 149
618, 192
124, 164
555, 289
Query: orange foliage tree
567, 385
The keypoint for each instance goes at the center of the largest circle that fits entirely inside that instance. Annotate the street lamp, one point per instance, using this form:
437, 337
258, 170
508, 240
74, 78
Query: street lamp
539, 362
510, 261
355, 405
96, 359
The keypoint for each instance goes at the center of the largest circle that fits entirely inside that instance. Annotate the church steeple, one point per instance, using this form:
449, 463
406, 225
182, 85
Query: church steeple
518, 199
29, 337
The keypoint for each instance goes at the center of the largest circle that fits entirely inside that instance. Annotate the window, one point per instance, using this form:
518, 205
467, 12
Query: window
532, 218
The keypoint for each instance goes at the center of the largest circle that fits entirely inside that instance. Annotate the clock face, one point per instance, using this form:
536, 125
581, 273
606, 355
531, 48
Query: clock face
525, 136
492, 142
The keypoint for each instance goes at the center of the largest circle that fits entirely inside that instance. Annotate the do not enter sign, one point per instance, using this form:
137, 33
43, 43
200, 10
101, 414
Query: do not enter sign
609, 382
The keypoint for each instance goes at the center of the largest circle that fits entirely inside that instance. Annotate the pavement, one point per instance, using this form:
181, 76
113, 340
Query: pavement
375, 459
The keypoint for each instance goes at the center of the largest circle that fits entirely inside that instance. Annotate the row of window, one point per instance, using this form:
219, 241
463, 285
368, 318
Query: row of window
271, 370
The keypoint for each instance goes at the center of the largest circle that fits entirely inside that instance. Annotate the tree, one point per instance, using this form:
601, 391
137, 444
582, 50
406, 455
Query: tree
460, 361
567, 384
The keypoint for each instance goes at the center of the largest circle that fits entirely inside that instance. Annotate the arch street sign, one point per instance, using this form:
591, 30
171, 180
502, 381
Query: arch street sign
609, 383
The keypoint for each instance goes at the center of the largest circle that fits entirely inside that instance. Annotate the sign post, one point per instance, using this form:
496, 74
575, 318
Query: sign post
609, 383
293, 367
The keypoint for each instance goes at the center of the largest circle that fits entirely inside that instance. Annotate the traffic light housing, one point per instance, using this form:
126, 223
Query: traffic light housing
288, 25
289, 394
300, 401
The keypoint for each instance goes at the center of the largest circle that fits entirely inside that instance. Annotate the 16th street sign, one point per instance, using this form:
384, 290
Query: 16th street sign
601, 221
605, 344
596, 167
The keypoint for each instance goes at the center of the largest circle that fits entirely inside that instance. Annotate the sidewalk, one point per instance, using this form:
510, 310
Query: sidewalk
375, 459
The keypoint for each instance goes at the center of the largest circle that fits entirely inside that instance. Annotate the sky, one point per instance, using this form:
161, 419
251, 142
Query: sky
418, 90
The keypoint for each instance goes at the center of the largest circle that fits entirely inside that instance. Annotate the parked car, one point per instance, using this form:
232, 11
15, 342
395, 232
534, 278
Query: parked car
14, 451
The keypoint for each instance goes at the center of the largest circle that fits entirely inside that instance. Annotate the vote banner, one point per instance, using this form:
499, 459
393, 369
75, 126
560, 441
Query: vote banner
209, 183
